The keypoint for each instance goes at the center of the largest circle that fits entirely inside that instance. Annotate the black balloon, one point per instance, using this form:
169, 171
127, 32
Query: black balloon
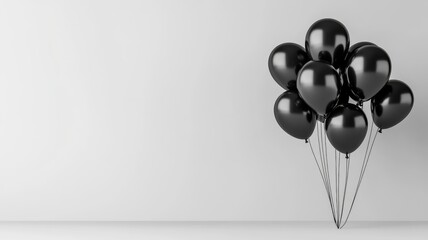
346, 128
294, 116
327, 40
285, 61
369, 70
344, 91
392, 104
352, 50
318, 84
346, 94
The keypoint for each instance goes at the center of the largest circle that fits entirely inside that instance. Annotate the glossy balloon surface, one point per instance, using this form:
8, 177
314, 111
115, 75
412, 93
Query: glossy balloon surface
318, 84
346, 128
392, 104
368, 71
327, 40
352, 50
294, 116
284, 63
345, 91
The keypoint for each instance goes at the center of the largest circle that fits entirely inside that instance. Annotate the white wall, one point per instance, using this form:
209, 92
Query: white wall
162, 110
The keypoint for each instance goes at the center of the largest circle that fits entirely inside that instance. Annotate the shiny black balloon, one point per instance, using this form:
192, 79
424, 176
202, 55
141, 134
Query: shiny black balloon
358, 45
369, 70
318, 84
344, 91
284, 63
392, 104
346, 94
327, 40
294, 116
346, 128
352, 50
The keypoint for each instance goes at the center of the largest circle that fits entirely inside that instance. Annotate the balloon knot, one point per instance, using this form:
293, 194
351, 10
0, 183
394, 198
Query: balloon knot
306, 140
380, 130
347, 156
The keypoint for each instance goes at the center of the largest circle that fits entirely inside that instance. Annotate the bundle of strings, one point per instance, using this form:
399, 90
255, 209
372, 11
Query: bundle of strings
340, 202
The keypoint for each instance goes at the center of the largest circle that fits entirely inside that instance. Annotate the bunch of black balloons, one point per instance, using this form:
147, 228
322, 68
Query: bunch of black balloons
327, 84
329, 81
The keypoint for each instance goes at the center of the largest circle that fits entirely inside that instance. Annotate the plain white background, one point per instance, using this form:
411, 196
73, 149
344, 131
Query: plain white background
162, 110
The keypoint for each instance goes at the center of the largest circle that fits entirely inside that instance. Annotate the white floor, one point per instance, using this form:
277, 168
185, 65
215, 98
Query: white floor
212, 230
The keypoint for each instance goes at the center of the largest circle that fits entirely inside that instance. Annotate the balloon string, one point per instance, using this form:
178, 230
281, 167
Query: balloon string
368, 144
337, 168
363, 170
327, 167
322, 160
338, 188
318, 165
335, 176
321, 156
321, 150
365, 155
346, 186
